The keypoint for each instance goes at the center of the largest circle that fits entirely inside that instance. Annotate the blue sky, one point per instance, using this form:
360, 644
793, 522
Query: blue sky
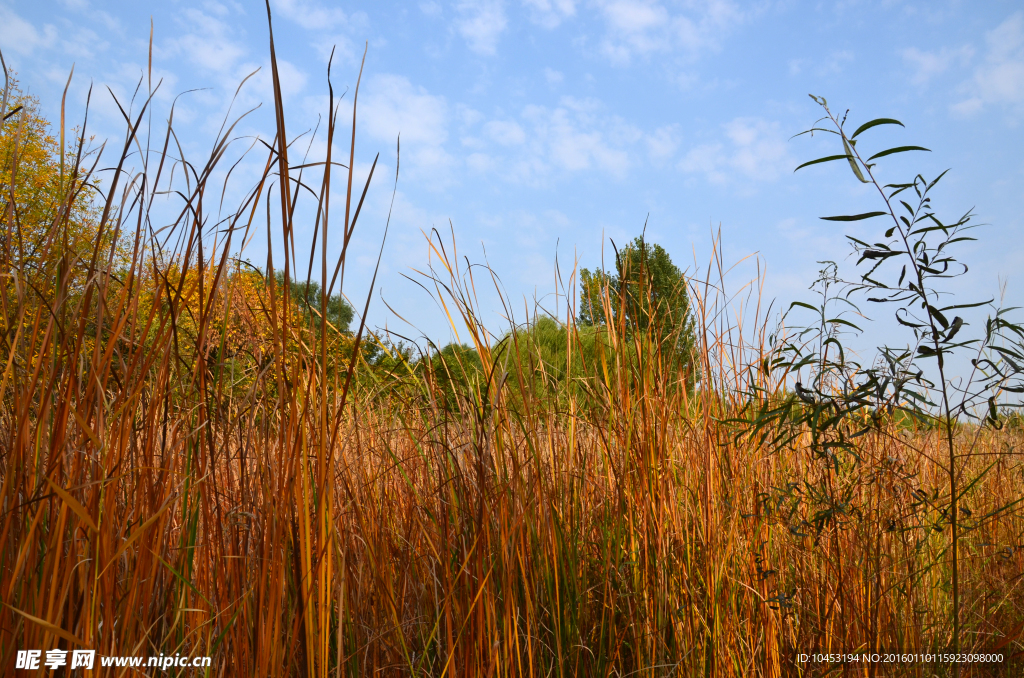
535, 127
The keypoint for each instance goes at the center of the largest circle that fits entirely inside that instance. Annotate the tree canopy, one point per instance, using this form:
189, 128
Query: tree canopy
339, 311
646, 294
39, 192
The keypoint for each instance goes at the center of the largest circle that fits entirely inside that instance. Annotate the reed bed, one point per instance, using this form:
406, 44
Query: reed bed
294, 510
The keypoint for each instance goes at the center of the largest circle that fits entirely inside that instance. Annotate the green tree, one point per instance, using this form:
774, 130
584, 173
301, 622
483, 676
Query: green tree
647, 293
339, 311
455, 369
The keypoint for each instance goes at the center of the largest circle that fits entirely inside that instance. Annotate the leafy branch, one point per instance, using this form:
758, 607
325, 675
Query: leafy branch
909, 265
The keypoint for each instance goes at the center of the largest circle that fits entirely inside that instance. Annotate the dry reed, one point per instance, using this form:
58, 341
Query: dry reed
303, 518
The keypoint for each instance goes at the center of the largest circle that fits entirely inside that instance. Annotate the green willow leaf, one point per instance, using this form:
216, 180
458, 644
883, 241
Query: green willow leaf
874, 123
813, 130
928, 229
901, 321
975, 305
937, 314
935, 180
898, 149
854, 217
828, 158
853, 162
840, 321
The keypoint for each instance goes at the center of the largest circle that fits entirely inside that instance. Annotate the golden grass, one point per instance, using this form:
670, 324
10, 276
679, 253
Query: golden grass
307, 522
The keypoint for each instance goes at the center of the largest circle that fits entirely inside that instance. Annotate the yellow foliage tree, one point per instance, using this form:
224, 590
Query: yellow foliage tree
52, 233
50, 224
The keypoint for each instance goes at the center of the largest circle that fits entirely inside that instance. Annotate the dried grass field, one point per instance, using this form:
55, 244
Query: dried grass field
193, 462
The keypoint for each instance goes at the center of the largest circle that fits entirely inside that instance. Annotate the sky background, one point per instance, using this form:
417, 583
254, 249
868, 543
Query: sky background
538, 128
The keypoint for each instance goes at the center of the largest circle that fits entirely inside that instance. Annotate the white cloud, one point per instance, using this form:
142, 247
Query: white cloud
310, 15
689, 80
830, 65
836, 62
552, 76
431, 8
103, 17
468, 116
83, 43
127, 76
927, 65
533, 235
394, 106
645, 27
505, 132
293, 80
577, 135
216, 8
18, 35
210, 45
481, 23
572, 137
1006, 41
663, 143
480, 162
706, 158
550, 13
967, 107
343, 49
535, 247
753, 149
108, 20
999, 79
